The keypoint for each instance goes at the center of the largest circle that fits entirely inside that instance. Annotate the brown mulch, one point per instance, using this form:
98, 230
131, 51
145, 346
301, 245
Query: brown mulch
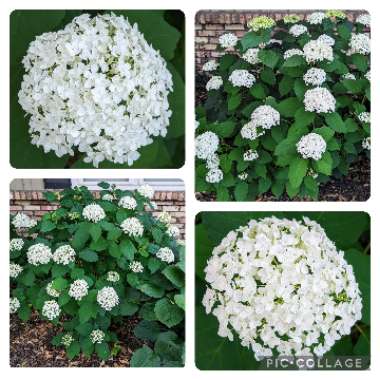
354, 187
30, 346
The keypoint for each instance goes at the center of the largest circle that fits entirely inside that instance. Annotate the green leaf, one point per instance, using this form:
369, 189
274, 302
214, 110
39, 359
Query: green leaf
168, 313
294, 61
304, 118
147, 330
167, 347
344, 31
73, 350
81, 236
27, 277
268, 76
324, 165
24, 312
102, 350
311, 186
335, 122
289, 106
128, 308
174, 275
88, 255
87, 310
145, 357
152, 290
47, 226
325, 132
258, 91
269, 58
233, 102
241, 191
285, 85
60, 284
224, 129
297, 171
127, 249
95, 232
360, 61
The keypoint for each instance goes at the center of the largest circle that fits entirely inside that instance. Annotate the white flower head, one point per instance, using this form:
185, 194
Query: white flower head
51, 291
249, 131
214, 175
128, 202
349, 76
51, 310
107, 298
164, 217
38, 254
16, 244
367, 75
214, 83
228, 40
93, 213
132, 227
319, 100
366, 143
360, 43
242, 78
14, 270
165, 254
136, 267
67, 339
206, 144
364, 19
212, 161
316, 18
173, 231
365, 117
113, 276
21, 220
243, 176
108, 197
326, 39
314, 76
98, 87
211, 65
291, 52
97, 336
14, 305
265, 117
250, 155
317, 51
311, 146
297, 30
252, 56
64, 255
78, 289
146, 191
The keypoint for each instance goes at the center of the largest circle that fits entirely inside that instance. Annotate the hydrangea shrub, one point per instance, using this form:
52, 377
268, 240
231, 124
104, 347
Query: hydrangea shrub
92, 263
287, 108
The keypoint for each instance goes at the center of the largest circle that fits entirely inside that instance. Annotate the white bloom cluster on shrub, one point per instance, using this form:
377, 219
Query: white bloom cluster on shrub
211, 65
311, 146
38, 254
281, 286
367, 75
317, 51
214, 175
51, 310
107, 298
164, 217
206, 144
243, 176
93, 213
314, 76
242, 78
50, 291
359, 44
315, 18
365, 117
136, 267
22, 220
14, 270
173, 231
228, 40
14, 305
250, 155
291, 52
165, 254
364, 19
349, 76
366, 143
252, 56
67, 339
113, 276
108, 197
132, 227
249, 131
319, 100
146, 191
16, 244
97, 86
128, 202
297, 30
97, 336
326, 39
78, 289
265, 117
64, 255
214, 83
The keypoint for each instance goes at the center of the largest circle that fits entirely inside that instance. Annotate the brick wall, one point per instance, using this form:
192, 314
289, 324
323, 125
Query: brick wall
34, 204
210, 24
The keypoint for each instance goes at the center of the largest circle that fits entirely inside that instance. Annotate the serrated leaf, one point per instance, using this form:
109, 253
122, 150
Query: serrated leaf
297, 171
168, 313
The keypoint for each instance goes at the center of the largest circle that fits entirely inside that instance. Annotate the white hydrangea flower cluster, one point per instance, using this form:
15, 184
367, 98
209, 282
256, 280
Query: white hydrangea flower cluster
265, 117
16, 244
250, 155
211, 65
228, 40
96, 86
78, 289
243, 176
214, 83
136, 267
252, 56
315, 18
132, 227
242, 78
164, 217
173, 231
281, 286
51, 310
319, 100
38, 254
107, 298
365, 117
364, 19
113, 276
22, 220
349, 76
360, 43
366, 143
214, 175
311, 146
317, 51
14, 305
128, 202
97, 336
297, 30
367, 75
93, 213
108, 197
51, 291
206, 144
314, 76
165, 254
326, 39
291, 52
14, 270
67, 339
249, 131
146, 191
64, 255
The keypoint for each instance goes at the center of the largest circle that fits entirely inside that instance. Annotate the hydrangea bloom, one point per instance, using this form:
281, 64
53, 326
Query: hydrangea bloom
212, 161
211, 65
319, 100
367, 75
132, 227
67, 339
173, 231
165, 254
146, 191
98, 87
206, 144
366, 143
252, 56
51, 291
214, 83
22, 220
242, 78
243, 176
107, 298
311, 146
364, 19
128, 202
64, 255
336, 13
314, 76
261, 22
297, 30
16, 244
290, 52
38, 254
97, 336
250, 155
136, 267
14, 270
51, 310
278, 285
360, 43
113, 276
164, 217
349, 76
214, 175
94, 213
365, 117
228, 40
315, 18
249, 131
291, 19
14, 305
78, 289
265, 117
108, 197
326, 39
317, 50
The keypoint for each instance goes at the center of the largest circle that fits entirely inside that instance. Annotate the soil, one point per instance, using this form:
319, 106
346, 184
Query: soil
30, 346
